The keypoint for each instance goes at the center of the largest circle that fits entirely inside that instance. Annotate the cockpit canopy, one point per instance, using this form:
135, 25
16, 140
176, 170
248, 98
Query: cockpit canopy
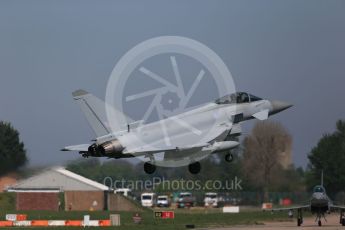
239, 97
319, 189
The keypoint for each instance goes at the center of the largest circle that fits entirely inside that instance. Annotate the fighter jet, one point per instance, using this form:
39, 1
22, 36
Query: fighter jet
319, 204
190, 135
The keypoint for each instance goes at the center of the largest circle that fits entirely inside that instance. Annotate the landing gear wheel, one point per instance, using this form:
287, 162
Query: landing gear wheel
342, 218
194, 168
149, 168
299, 217
319, 223
229, 157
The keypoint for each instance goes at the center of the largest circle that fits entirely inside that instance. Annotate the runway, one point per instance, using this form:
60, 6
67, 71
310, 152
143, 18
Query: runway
309, 223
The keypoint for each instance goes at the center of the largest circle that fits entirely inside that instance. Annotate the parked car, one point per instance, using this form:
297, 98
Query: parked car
186, 199
148, 199
211, 199
163, 201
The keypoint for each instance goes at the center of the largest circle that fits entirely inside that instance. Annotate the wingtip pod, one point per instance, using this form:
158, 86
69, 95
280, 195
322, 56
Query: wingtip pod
79, 93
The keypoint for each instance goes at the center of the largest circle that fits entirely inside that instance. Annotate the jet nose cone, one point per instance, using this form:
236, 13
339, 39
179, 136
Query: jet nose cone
278, 106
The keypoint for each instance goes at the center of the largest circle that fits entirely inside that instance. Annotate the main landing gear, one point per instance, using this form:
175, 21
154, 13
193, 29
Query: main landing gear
149, 168
194, 168
299, 217
342, 218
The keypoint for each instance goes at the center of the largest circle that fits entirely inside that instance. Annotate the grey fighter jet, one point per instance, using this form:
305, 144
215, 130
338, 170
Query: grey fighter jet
319, 204
191, 135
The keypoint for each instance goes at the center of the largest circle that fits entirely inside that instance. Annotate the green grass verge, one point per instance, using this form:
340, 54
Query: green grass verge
7, 201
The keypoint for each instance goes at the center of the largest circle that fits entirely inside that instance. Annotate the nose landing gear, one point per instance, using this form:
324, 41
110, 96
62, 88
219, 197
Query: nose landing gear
229, 157
318, 218
194, 168
299, 217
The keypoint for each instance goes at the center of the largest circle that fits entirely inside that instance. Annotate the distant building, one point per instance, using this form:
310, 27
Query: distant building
57, 189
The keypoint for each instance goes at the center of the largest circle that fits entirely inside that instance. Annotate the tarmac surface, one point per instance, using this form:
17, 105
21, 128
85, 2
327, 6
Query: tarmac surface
309, 223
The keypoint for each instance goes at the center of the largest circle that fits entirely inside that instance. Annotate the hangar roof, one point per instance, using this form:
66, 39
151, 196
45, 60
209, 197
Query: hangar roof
58, 179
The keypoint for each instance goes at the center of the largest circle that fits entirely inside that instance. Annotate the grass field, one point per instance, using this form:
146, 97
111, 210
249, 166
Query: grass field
182, 217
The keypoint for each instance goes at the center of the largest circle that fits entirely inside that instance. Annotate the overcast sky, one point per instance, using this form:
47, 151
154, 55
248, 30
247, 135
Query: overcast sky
287, 50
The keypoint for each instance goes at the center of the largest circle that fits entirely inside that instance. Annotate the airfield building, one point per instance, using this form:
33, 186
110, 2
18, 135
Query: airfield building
57, 189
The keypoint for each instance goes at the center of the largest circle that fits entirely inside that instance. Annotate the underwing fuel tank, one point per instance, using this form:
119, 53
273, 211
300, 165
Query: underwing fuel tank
222, 146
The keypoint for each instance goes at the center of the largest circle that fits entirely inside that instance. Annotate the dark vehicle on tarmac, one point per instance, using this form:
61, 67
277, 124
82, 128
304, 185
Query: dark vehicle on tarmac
186, 199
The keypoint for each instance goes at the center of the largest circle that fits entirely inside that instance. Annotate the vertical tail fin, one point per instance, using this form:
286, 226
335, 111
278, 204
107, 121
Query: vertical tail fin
94, 110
